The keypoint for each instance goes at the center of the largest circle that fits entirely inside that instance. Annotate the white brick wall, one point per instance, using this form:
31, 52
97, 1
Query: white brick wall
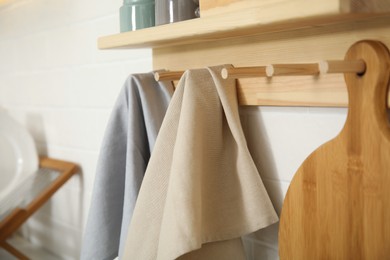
55, 82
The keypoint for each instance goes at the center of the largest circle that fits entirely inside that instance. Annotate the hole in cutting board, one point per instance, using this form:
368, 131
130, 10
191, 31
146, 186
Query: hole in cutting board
360, 74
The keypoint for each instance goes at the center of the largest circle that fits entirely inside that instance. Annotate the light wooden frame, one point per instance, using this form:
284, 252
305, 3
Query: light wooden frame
258, 37
11, 223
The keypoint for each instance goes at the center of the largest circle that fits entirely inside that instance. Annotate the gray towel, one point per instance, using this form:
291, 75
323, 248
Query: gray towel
124, 155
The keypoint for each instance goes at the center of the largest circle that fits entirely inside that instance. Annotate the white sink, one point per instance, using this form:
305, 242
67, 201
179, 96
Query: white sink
18, 155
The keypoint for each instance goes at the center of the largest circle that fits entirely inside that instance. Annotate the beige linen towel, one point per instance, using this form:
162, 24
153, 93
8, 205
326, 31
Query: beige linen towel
201, 191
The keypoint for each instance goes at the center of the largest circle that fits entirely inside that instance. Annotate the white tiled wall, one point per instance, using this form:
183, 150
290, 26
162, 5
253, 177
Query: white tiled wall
54, 81
279, 140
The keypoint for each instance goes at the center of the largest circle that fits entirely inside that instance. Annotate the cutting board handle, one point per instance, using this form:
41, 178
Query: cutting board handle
368, 92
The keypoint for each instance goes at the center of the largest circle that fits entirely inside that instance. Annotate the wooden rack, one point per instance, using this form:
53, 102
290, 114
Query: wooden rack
323, 67
20, 214
256, 33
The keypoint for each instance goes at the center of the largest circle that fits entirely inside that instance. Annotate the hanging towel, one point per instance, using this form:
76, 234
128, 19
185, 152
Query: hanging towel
128, 141
201, 190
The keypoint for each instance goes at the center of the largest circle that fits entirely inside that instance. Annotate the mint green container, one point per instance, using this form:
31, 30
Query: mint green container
136, 14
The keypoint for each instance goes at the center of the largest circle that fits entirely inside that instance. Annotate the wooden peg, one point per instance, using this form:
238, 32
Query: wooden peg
342, 66
243, 72
292, 69
168, 75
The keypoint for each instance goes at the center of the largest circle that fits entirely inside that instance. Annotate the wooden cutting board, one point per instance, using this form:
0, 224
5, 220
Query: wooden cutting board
338, 203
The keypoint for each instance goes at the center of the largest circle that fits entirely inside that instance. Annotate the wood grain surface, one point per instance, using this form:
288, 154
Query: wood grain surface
338, 203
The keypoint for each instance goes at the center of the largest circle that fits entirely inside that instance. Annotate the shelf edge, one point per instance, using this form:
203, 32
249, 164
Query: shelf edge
176, 34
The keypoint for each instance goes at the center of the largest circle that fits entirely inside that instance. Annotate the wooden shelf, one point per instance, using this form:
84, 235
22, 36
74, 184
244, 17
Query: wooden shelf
286, 15
260, 33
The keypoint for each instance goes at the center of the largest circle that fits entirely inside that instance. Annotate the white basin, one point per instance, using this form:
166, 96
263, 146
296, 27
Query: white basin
18, 155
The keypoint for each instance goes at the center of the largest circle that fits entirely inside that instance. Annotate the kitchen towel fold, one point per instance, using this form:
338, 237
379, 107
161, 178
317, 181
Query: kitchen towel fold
125, 151
201, 191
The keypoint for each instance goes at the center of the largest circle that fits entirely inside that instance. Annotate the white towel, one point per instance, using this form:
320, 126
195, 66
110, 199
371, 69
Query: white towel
201, 191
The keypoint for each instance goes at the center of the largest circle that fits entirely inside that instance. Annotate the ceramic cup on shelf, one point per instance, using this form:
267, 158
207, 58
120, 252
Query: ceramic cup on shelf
170, 11
136, 14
